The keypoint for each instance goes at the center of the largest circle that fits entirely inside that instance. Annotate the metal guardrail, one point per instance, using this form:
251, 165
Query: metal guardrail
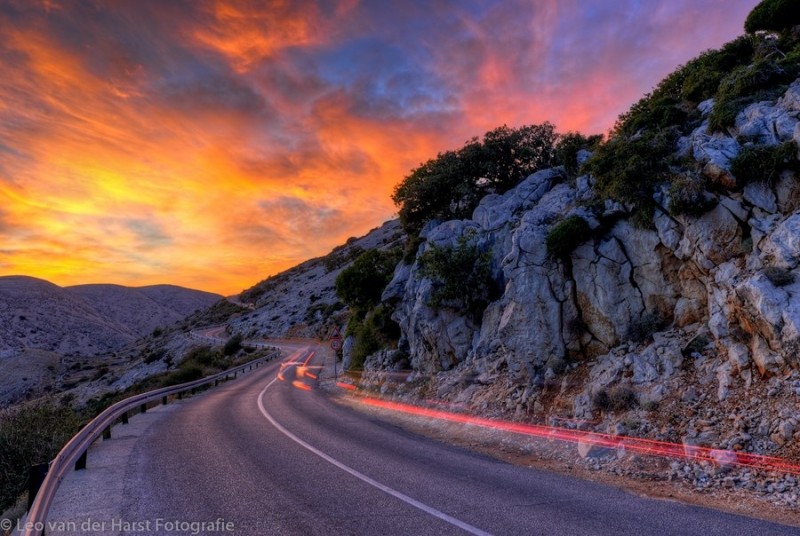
74, 452
195, 334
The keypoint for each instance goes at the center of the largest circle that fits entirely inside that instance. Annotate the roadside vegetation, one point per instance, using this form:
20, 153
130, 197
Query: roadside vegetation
359, 286
462, 277
34, 432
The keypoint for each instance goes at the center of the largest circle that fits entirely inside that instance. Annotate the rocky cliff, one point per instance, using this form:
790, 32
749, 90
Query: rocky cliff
678, 314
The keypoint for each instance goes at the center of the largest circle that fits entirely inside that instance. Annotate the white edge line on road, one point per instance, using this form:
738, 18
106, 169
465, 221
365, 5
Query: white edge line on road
394, 493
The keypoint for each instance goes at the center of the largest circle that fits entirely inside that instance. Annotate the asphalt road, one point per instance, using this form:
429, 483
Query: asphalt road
273, 455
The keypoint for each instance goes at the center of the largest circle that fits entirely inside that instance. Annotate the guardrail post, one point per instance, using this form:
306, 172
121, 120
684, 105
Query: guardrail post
164, 401
36, 476
124, 417
81, 462
143, 408
180, 395
107, 432
216, 382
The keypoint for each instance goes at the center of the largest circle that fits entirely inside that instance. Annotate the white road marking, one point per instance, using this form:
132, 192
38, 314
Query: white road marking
386, 489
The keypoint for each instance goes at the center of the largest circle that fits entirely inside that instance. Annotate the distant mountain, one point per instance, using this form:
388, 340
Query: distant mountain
143, 309
87, 319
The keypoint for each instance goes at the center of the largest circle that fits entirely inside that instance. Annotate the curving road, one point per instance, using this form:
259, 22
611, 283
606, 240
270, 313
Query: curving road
272, 455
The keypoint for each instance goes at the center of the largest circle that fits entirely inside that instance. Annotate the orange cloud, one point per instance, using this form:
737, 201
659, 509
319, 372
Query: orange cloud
212, 143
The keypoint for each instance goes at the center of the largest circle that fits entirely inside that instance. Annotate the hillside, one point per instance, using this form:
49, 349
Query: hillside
141, 310
646, 285
52, 338
38, 314
302, 301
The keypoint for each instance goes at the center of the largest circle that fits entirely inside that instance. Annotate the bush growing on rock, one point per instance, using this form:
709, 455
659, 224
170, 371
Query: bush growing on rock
687, 195
451, 185
762, 80
461, 275
773, 15
568, 146
763, 163
566, 235
643, 327
361, 284
233, 345
779, 276
617, 398
375, 331
627, 169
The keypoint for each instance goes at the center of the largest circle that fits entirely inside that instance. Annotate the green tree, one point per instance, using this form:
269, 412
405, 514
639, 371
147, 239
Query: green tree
568, 146
566, 235
361, 284
233, 345
451, 185
773, 15
461, 275
510, 155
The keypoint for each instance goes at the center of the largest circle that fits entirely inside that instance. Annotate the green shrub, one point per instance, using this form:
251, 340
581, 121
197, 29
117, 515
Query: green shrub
233, 345
643, 327
687, 195
31, 434
627, 169
566, 235
361, 284
618, 398
461, 276
451, 185
773, 15
671, 104
764, 163
568, 146
761, 80
377, 330
205, 356
779, 276
700, 78
182, 375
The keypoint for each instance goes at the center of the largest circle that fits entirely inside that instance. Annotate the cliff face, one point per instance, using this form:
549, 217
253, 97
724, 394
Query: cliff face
631, 306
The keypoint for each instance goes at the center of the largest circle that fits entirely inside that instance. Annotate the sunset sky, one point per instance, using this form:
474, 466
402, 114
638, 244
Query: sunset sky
212, 143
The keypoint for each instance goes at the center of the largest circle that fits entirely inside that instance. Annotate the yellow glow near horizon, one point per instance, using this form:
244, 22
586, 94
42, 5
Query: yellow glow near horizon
214, 143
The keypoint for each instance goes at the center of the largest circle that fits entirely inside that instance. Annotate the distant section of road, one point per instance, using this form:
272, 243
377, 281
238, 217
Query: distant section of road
272, 454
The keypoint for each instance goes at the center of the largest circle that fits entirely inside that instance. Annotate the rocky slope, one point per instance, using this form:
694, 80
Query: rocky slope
88, 319
716, 272
143, 309
53, 338
302, 301
688, 331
